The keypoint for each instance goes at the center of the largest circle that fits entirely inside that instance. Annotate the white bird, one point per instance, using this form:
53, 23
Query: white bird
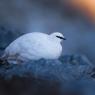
34, 46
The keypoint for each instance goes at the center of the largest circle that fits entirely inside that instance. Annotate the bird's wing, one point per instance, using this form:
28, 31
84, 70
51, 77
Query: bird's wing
34, 46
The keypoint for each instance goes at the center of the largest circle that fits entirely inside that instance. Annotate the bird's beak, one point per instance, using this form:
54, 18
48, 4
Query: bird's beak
64, 38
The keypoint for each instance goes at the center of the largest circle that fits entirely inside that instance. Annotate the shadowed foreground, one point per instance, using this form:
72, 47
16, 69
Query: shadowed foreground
70, 75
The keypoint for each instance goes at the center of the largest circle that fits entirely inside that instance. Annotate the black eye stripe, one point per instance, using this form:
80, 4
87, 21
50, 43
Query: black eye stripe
59, 37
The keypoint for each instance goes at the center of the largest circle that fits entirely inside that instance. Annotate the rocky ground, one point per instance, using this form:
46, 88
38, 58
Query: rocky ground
70, 75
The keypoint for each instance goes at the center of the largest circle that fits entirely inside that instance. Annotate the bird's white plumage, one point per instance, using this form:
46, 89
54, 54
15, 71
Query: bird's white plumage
34, 46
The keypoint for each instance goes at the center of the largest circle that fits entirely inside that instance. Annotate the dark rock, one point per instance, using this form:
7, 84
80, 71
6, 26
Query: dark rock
28, 86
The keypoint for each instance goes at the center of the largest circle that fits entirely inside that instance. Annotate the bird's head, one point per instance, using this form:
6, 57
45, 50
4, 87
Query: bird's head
58, 36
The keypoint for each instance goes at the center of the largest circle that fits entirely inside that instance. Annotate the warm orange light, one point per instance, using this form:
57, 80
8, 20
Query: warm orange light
86, 6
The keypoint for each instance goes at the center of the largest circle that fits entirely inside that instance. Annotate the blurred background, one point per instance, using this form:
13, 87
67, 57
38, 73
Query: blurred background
74, 18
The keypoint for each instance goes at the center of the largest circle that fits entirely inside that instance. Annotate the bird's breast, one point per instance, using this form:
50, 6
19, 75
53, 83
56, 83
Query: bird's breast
53, 51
